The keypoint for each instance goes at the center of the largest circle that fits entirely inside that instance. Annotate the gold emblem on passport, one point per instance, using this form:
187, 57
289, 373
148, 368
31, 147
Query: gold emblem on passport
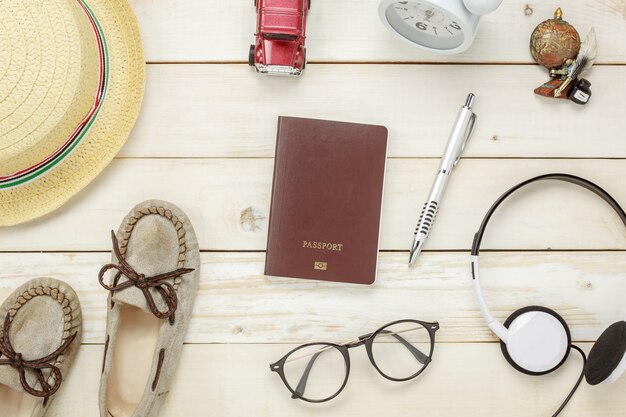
320, 266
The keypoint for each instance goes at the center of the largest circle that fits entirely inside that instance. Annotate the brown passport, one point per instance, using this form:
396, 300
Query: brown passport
326, 200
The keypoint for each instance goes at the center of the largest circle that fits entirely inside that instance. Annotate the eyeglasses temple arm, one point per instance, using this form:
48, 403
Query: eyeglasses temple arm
305, 376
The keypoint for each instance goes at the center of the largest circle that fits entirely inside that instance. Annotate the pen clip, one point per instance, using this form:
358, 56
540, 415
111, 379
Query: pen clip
468, 133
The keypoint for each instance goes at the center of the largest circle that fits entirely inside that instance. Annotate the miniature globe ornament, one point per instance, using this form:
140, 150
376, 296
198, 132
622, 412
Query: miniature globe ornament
554, 41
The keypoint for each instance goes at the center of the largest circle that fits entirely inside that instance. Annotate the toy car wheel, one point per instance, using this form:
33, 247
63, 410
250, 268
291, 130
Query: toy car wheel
251, 55
309, 4
304, 59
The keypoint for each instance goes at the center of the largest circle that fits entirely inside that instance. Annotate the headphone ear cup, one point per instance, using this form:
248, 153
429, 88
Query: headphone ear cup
538, 341
606, 359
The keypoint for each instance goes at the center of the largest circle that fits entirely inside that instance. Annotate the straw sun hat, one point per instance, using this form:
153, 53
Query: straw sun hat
71, 84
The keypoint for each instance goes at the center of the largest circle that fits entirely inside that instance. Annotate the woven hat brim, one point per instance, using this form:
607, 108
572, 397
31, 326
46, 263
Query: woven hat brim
107, 134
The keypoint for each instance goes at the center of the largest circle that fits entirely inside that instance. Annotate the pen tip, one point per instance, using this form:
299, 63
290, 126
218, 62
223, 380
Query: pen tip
415, 251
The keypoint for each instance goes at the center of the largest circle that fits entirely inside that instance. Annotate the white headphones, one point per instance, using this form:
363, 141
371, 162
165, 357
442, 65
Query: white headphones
536, 340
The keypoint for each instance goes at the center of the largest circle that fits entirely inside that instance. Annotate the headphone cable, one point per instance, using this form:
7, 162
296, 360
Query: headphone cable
580, 379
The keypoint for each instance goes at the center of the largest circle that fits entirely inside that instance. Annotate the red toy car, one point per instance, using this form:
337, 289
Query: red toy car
281, 32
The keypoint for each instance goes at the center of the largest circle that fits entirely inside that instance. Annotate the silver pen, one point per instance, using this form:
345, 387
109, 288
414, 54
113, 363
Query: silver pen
461, 132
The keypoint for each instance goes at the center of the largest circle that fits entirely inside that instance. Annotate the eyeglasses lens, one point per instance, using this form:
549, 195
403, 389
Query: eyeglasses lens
401, 350
315, 372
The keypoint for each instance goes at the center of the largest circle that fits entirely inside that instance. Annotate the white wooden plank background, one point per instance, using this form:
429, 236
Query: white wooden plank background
470, 380
349, 30
237, 304
228, 200
223, 111
205, 140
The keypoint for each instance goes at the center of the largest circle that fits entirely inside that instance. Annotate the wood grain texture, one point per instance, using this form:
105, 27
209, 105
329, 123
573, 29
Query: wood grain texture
349, 30
237, 304
228, 201
470, 380
228, 111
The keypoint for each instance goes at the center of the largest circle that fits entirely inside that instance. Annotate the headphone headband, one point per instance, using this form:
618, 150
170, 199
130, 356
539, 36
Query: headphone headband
496, 326
478, 237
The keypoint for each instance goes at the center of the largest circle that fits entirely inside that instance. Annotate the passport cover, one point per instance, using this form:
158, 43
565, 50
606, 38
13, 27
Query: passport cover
326, 200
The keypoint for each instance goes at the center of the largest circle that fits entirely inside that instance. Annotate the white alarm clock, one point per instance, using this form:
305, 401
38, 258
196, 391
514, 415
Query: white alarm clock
443, 26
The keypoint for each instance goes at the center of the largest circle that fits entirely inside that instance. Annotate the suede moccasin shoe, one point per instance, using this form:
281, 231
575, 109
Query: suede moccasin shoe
153, 281
40, 332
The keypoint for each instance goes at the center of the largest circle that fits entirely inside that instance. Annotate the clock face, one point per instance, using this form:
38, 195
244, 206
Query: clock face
425, 23
431, 20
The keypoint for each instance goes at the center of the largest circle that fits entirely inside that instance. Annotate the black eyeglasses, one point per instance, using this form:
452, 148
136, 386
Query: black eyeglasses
318, 372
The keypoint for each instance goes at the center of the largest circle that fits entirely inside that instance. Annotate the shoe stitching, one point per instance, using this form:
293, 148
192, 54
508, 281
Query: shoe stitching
158, 282
55, 294
158, 370
15, 360
163, 212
